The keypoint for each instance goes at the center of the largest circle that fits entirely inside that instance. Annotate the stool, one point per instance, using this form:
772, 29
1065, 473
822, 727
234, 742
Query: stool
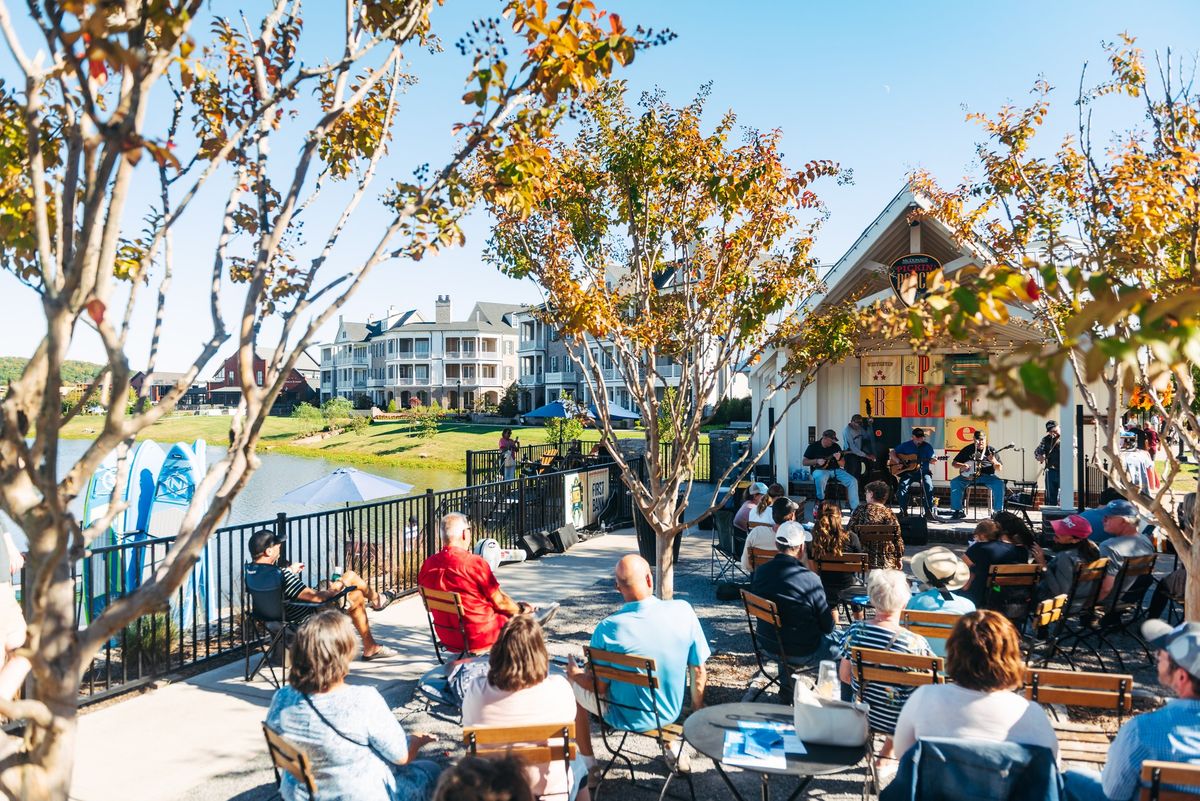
916, 495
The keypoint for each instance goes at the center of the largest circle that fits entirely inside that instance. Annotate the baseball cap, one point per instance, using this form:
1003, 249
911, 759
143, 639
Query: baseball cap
791, 534
979, 434
829, 432
260, 541
1075, 526
1182, 642
1120, 508
1051, 425
918, 432
757, 488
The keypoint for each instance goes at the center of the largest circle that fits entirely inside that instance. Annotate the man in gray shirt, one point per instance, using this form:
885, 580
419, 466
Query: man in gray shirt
1125, 542
860, 447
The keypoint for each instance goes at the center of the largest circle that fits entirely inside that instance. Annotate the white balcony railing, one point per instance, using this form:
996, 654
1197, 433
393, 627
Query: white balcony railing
669, 370
412, 381
562, 377
531, 380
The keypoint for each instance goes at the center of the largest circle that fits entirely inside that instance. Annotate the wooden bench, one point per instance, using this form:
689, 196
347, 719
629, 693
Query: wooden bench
1111, 692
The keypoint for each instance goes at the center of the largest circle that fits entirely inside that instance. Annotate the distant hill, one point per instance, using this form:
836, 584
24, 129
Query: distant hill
73, 372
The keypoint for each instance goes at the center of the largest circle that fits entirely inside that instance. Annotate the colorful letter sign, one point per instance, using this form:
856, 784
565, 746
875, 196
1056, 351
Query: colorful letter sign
879, 401
965, 368
912, 276
960, 430
879, 371
921, 402
925, 370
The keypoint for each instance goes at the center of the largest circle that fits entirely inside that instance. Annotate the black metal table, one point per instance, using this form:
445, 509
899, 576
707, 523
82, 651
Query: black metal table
705, 731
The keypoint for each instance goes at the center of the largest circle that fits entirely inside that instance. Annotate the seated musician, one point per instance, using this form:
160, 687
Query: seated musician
825, 458
910, 463
977, 463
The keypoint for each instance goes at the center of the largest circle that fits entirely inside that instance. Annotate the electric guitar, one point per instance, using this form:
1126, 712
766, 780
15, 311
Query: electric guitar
973, 467
900, 463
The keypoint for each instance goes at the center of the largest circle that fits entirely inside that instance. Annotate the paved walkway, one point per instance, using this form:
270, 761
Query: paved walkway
207, 729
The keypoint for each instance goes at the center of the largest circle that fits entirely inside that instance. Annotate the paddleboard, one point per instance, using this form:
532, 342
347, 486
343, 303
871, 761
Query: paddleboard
178, 479
131, 525
96, 500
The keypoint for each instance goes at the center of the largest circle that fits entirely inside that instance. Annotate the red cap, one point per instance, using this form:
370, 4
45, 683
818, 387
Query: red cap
1074, 526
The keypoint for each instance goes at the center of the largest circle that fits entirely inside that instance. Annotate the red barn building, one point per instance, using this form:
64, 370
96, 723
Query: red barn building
224, 388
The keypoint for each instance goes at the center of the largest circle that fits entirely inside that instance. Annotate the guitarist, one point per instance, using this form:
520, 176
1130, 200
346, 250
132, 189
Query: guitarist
978, 460
920, 472
825, 458
1047, 452
860, 447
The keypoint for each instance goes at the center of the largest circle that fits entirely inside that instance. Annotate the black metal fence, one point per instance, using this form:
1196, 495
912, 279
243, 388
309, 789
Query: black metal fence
385, 542
485, 467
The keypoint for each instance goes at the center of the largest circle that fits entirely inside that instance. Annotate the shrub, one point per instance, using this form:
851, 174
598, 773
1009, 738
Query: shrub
508, 401
310, 417
731, 410
362, 402
358, 423
427, 420
149, 639
336, 409
391, 407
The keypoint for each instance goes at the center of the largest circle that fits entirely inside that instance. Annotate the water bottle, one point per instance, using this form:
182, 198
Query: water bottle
827, 679
336, 575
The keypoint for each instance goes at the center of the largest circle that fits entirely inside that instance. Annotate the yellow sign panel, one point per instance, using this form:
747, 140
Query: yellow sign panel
879, 401
925, 370
960, 430
879, 371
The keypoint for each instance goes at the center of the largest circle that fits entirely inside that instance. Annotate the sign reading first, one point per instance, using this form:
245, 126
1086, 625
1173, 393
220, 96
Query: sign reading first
913, 275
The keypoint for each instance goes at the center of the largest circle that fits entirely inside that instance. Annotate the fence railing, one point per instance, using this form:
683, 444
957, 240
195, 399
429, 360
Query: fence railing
384, 541
485, 467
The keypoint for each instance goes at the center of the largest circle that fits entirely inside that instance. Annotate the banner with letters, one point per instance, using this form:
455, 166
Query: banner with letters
597, 494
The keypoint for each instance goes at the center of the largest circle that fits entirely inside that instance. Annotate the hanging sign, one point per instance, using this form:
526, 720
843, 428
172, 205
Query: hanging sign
912, 275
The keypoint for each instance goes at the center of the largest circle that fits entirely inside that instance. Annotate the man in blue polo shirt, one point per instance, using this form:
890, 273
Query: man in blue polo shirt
666, 631
1169, 734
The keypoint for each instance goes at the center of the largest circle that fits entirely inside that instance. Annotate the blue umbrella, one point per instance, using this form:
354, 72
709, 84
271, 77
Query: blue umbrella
615, 412
345, 485
552, 410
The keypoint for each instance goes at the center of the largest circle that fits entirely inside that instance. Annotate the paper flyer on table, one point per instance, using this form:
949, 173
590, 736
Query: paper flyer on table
761, 744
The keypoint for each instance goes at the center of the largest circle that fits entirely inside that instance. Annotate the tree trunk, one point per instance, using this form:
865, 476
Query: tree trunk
47, 775
664, 569
1191, 592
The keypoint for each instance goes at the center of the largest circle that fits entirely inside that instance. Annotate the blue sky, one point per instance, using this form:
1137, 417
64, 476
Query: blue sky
880, 87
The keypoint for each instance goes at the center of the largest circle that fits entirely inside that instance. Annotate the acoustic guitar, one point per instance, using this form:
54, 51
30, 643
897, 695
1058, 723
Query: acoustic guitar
975, 466
901, 463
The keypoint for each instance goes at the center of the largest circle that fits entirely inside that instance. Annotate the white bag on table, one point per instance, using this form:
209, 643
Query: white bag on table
828, 721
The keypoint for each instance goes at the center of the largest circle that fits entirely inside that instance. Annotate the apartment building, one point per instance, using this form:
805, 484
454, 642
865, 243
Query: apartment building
404, 357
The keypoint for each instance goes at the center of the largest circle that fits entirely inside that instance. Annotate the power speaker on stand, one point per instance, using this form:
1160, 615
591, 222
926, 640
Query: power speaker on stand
914, 530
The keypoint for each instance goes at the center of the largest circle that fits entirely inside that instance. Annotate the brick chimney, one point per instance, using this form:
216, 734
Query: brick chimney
441, 309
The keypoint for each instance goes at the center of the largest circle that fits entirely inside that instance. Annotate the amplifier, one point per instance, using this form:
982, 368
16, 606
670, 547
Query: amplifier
536, 544
914, 530
562, 539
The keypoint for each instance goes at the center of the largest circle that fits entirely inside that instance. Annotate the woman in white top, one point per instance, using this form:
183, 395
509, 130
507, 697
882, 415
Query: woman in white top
983, 659
518, 690
760, 515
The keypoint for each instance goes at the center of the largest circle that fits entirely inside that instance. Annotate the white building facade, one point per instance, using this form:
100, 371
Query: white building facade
403, 357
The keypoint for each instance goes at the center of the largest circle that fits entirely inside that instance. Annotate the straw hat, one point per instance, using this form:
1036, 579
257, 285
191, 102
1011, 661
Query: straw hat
940, 567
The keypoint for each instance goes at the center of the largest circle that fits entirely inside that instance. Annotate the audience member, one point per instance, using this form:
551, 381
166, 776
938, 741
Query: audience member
989, 548
354, 742
12, 619
1071, 547
741, 519
940, 571
889, 594
1124, 541
763, 536
803, 606
478, 779
1114, 507
667, 632
1169, 734
830, 538
1172, 584
983, 660
875, 512
824, 456
519, 690
486, 607
760, 515
265, 549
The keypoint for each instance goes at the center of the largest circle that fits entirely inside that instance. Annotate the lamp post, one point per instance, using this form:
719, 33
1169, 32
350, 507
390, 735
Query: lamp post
460, 403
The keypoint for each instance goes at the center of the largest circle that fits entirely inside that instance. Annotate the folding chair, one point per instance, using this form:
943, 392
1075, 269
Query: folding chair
1156, 774
1112, 692
642, 672
882, 544
449, 603
852, 563
543, 744
724, 553
934, 625
760, 556
873, 666
1127, 610
549, 457
1081, 599
1043, 620
266, 622
287, 757
758, 608
1011, 590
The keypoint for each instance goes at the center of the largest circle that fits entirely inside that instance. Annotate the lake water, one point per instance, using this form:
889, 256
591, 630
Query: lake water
278, 475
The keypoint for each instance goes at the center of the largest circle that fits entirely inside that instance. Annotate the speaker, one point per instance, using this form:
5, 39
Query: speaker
562, 539
536, 544
914, 530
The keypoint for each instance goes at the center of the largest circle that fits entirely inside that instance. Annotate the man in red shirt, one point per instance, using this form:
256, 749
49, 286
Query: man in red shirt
486, 607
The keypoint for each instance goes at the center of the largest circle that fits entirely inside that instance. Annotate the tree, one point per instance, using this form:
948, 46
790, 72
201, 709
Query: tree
310, 417
114, 99
427, 420
1100, 245
666, 255
336, 411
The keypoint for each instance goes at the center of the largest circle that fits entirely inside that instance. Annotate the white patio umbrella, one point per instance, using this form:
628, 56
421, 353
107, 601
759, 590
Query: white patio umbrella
345, 485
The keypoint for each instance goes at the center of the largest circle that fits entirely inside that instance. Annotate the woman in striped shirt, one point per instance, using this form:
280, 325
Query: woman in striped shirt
889, 594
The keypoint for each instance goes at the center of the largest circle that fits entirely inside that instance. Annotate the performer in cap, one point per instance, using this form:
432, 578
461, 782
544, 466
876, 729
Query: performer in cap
825, 458
1047, 453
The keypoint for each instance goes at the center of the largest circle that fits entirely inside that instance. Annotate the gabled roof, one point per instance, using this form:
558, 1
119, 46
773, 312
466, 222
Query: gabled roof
496, 313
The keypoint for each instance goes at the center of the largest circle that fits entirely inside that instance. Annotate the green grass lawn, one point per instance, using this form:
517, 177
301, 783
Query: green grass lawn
381, 443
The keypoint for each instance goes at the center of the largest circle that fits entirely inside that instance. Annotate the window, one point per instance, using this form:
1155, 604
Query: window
508, 373
229, 376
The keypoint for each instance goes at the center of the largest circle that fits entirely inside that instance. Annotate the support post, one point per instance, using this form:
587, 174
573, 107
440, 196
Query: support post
430, 523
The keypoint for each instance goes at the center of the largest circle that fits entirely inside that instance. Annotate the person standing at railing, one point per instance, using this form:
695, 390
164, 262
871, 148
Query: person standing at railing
12, 620
509, 450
